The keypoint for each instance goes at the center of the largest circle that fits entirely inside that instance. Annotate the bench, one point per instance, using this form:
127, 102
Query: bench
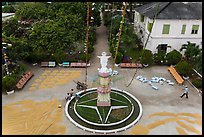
44, 64
130, 65
78, 64
65, 64
178, 78
51, 64
24, 79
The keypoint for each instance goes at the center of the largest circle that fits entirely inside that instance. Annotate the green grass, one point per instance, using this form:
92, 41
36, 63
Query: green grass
127, 122
89, 114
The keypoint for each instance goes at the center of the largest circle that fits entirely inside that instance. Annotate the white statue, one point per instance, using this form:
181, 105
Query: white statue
103, 61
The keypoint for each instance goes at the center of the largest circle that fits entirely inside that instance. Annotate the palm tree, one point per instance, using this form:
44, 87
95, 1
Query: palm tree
191, 51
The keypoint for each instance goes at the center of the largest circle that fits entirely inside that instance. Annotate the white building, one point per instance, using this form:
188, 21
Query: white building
175, 24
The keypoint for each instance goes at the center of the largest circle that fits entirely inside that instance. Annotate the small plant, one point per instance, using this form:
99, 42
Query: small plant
173, 57
197, 83
147, 57
183, 68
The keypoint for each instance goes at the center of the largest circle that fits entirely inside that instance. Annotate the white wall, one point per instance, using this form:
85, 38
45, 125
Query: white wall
174, 39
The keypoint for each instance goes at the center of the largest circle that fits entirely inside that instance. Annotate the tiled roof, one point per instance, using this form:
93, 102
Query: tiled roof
172, 10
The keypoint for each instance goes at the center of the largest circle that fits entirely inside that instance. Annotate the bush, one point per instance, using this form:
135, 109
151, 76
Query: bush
197, 83
160, 56
147, 57
183, 68
8, 83
173, 57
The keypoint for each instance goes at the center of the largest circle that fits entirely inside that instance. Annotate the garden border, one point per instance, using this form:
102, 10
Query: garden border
105, 131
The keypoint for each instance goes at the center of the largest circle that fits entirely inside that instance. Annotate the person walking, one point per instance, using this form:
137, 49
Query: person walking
185, 92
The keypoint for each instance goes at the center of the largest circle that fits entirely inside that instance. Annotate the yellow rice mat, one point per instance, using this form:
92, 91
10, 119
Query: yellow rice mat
51, 78
185, 122
28, 117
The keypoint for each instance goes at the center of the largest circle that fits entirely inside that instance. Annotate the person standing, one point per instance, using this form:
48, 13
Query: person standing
72, 91
185, 92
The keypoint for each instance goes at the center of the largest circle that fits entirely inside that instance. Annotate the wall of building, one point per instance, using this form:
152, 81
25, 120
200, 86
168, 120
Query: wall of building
174, 39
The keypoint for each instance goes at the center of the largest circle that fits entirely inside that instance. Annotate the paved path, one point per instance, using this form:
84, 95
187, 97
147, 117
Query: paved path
166, 99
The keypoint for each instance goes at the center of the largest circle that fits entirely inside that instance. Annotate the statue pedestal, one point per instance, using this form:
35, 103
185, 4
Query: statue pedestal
103, 96
104, 90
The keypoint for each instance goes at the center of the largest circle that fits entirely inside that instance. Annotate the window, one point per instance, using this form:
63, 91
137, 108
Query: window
149, 26
183, 30
166, 28
141, 18
195, 29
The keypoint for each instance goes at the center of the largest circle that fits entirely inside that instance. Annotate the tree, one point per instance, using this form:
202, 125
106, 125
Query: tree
10, 26
32, 10
191, 51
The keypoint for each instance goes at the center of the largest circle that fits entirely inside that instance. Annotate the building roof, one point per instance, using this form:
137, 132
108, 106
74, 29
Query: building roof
172, 10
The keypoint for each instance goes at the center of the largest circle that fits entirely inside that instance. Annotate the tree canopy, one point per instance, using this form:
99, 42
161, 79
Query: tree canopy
45, 30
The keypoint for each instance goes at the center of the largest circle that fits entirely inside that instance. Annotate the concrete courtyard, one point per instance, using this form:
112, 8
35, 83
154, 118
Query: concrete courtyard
164, 112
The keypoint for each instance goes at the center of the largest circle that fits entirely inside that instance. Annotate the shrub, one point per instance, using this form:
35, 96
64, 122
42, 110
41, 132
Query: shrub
160, 56
173, 57
183, 68
8, 83
147, 57
197, 83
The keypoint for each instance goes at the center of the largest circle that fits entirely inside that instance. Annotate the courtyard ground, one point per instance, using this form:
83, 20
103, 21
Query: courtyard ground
164, 112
